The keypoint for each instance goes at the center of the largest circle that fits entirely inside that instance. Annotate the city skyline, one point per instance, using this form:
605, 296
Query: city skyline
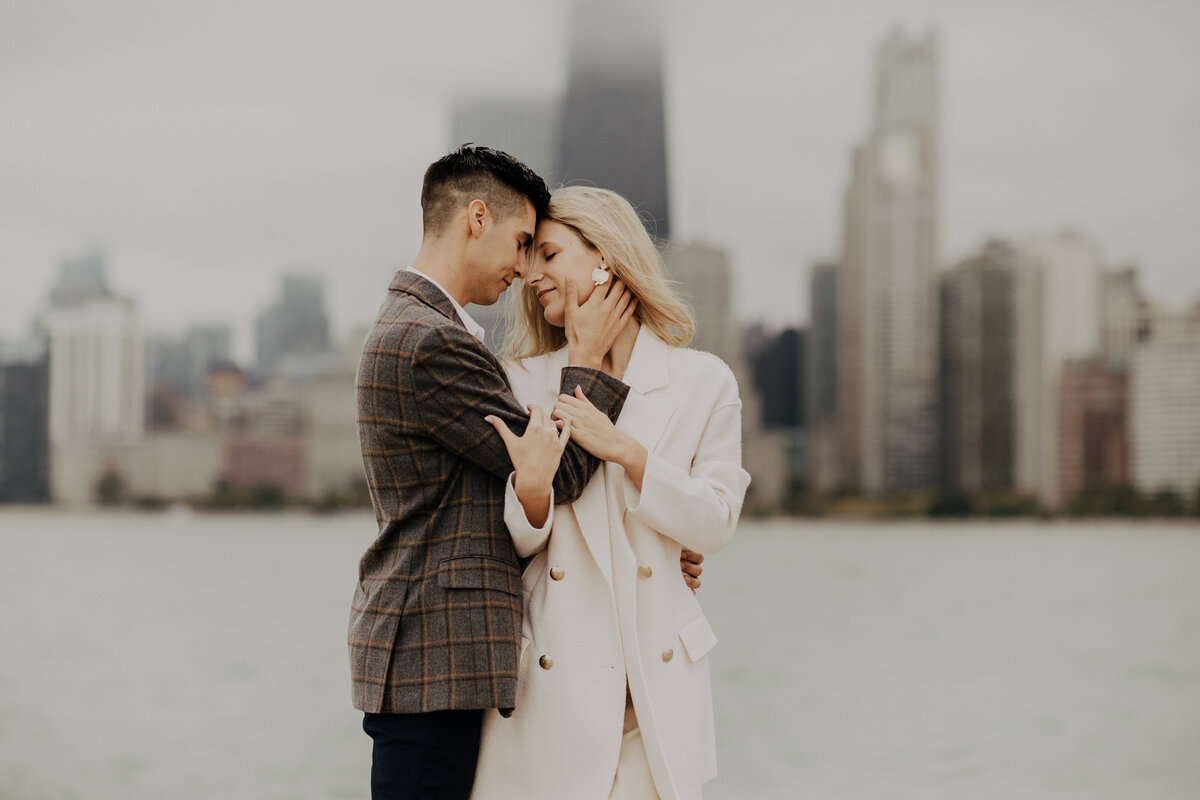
208, 171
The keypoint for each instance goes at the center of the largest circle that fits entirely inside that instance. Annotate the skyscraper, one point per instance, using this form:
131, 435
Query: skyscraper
703, 278
1164, 414
821, 379
978, 317
1059, 295
613, 128
887, 305
24, 438
295, 325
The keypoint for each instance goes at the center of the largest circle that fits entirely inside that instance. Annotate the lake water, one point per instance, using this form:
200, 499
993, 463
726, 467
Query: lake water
179, 656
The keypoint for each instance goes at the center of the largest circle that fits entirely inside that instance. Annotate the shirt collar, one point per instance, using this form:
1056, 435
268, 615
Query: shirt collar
473, 327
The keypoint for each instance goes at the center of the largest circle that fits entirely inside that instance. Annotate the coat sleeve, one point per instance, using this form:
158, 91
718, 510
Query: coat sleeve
456, 383
527, 539
697, 507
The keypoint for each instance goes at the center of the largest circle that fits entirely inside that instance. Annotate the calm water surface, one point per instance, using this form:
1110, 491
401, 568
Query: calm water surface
156, 656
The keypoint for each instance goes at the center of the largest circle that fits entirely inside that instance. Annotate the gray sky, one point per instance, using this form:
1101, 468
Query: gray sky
207, 147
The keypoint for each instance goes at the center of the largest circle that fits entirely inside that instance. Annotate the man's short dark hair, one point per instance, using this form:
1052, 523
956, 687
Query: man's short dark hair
478, 173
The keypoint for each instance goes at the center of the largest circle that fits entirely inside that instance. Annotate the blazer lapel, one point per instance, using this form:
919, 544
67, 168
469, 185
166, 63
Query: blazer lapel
591, 509
647, 410
644, 417
410, 283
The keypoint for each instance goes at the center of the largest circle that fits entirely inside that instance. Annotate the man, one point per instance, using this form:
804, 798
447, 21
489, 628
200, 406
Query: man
435, 624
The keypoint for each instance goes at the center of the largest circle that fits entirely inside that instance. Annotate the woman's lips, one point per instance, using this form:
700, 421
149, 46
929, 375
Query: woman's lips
543, 293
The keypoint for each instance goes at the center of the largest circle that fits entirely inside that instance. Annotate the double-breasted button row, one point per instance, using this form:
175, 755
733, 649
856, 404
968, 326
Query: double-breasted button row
557, 573
546, 661
645, 571
668, 654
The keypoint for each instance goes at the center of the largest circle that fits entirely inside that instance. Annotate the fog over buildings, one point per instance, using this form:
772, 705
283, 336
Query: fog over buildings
305, 140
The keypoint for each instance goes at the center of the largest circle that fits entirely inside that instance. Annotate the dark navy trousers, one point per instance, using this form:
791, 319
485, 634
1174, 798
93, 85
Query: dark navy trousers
428, 756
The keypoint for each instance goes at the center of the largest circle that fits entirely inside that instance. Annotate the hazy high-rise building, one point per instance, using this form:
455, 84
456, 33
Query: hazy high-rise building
1062, 287
1093, 430
821, 380
613, 133
777, 365
294, 325
703, 276
24, 424
978, 317
81, 278
97, 380
1126, 315
1165, 415
182, 363
887, 290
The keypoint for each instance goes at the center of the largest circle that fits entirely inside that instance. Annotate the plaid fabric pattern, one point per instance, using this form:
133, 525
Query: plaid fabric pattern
436, 618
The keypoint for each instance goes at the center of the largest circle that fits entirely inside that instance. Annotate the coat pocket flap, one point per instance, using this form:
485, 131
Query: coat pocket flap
697, 637
479, 572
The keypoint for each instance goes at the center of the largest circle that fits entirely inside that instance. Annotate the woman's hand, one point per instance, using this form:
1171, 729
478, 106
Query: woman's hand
595, 432
592, 327
535, 456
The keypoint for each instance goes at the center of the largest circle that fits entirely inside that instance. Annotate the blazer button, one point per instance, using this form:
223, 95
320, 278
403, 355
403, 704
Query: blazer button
546, 661
557, 573
668, 654
645, 571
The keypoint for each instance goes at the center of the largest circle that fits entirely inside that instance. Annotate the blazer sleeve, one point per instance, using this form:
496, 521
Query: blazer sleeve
456, 383
697, 507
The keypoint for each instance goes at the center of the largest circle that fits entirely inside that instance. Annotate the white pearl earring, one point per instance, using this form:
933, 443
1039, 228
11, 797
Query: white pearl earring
600, 274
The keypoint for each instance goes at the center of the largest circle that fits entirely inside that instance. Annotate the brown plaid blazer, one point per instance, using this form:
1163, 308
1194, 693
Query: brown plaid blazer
436, 618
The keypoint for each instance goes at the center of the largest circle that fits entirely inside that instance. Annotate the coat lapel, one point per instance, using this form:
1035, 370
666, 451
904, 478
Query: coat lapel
590, 510
644, 417
647, 410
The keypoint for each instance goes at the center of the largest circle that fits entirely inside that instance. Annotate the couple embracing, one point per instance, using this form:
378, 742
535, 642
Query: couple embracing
525, 624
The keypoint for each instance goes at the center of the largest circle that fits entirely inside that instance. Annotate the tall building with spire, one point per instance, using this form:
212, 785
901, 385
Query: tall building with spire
887, 279
613, 121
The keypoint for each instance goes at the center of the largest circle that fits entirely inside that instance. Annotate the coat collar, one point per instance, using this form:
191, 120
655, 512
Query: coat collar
426, 291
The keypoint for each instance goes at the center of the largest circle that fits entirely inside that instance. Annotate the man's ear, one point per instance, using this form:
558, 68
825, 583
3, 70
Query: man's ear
477, 215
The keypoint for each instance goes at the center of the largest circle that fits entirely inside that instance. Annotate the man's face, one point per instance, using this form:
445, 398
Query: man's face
500, 253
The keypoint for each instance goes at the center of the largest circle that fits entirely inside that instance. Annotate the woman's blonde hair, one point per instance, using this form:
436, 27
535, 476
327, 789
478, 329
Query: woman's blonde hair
606, 222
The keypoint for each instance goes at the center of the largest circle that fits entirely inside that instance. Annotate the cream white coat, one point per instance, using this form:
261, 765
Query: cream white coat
594, 613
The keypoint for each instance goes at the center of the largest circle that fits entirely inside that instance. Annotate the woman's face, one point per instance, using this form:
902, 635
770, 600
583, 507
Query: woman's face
558, 254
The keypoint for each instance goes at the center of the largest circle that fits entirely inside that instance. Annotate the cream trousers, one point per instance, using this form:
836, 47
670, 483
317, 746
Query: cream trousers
633, 780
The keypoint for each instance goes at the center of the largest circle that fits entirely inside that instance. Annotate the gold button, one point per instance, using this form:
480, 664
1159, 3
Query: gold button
557, 573
668, 654
546, 661
645, 572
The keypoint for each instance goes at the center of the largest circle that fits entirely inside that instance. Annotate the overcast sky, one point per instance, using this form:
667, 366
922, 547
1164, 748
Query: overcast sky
208, 147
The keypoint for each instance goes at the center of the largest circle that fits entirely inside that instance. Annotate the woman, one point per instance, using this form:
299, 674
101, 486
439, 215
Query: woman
613, 697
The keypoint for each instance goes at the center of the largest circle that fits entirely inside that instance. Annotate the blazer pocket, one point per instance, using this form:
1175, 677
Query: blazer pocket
697, 637
479, 572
